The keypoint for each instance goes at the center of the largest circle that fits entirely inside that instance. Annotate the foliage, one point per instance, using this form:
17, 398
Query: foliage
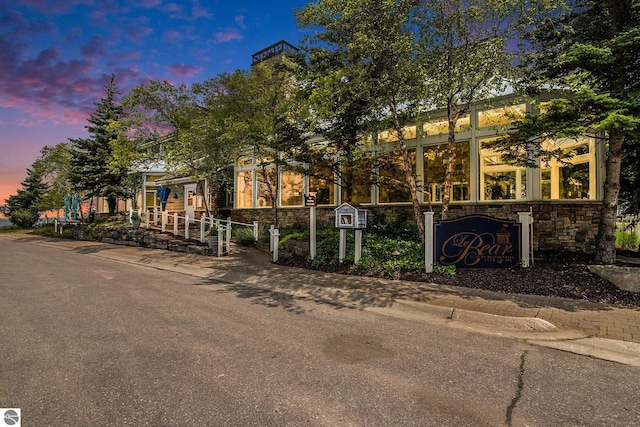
24, 207
56, 164
90, 171
264, 112
591, 51
465, 57
244, 236
381, 253
627, 239
24, 218
370, 44
449, 270
185, 128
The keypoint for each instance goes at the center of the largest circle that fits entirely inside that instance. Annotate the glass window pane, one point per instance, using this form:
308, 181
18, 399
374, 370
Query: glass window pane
499, 180
574, 181
435, 166
390, 135
501, 116
322, 182
291, 189
572, 177
356, 181
437, 127
266, 187
391, 179
244, 189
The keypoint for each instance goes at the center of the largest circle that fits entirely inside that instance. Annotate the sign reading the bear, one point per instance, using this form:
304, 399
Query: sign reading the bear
477, 241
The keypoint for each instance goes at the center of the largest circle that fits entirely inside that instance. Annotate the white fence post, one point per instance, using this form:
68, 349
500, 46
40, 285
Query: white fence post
524, 218
342, 250
186, 226
358, 249
146, 218
428, 242
275, 242
255, 230
165, 220
203, 225
219, 241
312, 233
175, 223
228, 239
271, 230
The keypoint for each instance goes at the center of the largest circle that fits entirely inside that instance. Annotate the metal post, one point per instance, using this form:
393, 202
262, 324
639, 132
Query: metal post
524, 218
428, 241
312, 233
343, 244
358, 250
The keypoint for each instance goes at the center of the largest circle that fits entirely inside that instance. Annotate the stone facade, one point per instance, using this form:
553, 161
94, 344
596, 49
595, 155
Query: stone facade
557, 225
141, 237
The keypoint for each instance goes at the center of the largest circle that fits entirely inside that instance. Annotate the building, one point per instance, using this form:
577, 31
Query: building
564, 198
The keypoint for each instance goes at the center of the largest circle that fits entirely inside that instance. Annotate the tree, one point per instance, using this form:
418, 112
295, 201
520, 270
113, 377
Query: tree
90, 172
24, 207
592, 52
376, 39
264, 114
182, 126
56, 164
343, 111
465, 58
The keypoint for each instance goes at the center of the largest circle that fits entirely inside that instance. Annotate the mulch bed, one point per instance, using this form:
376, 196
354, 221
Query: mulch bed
556, 274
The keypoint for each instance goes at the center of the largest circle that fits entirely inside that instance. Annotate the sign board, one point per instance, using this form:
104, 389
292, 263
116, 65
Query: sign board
477, 241
351, 217
310, 200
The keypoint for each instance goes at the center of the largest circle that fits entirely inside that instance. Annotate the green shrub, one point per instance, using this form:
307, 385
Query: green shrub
445, 269
24, 218
627, 239
244, 236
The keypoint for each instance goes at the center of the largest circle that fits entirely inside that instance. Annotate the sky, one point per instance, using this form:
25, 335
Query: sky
56, 57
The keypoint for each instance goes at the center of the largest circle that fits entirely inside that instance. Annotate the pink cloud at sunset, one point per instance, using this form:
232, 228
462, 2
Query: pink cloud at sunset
57, 55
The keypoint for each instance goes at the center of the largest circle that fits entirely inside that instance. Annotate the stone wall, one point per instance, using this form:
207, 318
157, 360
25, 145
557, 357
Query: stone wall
558, 225
141, 237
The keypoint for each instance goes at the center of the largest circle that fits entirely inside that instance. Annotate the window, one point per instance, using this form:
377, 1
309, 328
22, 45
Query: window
356, 180
390, 135
322, 182
244, 189
391, 178
498, 180
266, 186
435, 165
437, 127
574, 176
291, 189
501, 116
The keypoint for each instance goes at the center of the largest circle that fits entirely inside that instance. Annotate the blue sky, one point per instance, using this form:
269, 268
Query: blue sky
56, 57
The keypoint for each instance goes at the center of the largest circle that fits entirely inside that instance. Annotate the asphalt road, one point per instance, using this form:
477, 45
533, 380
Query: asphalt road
88, 341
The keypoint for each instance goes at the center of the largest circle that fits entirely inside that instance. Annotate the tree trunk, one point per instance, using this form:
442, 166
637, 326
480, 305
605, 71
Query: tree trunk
409, 177
606, 239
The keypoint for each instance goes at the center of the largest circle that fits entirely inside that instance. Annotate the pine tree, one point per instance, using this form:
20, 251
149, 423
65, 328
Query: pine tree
24, 207
91, 174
